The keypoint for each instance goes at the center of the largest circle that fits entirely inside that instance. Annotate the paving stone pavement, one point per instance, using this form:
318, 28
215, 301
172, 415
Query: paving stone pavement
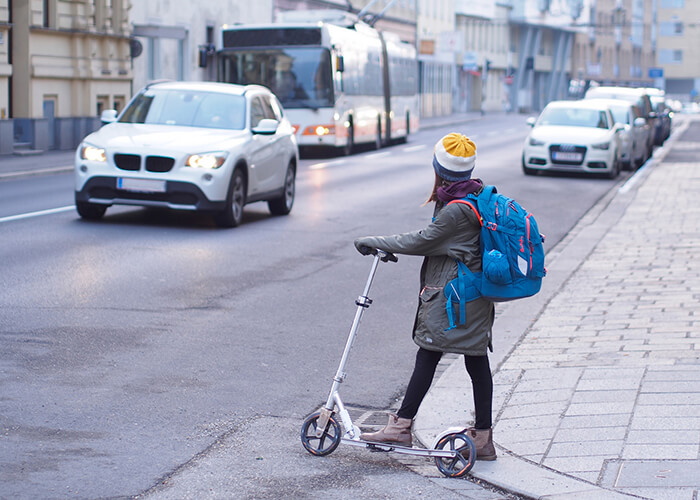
605, 385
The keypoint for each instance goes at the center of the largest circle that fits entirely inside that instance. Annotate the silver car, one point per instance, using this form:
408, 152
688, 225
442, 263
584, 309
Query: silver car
635, 135
196, 146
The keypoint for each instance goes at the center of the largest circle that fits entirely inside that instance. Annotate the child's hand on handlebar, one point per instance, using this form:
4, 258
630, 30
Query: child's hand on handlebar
363, 247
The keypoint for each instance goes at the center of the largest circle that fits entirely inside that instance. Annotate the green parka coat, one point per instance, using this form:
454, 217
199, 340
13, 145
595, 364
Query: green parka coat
453, 234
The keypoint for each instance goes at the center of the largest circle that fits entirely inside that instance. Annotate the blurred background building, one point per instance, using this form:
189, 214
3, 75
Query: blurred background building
678, 50
63, 61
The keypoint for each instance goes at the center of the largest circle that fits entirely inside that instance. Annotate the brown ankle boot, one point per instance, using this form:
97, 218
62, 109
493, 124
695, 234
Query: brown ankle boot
483, 439
396, 431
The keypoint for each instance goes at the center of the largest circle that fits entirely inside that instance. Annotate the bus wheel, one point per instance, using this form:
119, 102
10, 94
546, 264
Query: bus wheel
350, 144
404, 139
378, 139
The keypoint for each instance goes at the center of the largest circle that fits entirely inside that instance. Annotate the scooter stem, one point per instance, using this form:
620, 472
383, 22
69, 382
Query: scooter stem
363, 302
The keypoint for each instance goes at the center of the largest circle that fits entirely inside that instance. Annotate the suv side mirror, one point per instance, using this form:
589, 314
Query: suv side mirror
108, 116
531, 121
266, 126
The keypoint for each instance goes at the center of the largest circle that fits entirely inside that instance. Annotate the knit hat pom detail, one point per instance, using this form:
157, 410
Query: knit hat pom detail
455, 156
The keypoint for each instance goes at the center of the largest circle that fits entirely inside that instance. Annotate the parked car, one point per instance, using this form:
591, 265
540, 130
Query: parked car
635, 135
637, 96
663, 111
573, 136
195, 146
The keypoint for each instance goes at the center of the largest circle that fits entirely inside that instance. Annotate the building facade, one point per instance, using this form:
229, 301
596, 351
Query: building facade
618, 45
177, 39
485, 66
542, 38
678, 51
64, 62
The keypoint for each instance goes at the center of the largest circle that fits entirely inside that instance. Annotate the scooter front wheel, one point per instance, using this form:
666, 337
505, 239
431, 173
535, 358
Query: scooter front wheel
465, 455
327, 442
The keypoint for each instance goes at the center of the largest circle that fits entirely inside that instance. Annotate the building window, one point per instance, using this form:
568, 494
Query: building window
119, 101
670, 56
671, 28
102, 103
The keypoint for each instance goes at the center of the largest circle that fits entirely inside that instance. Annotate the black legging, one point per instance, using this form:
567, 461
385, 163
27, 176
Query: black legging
424, 371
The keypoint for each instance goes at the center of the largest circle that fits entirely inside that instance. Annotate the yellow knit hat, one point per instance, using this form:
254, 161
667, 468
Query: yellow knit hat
454, 157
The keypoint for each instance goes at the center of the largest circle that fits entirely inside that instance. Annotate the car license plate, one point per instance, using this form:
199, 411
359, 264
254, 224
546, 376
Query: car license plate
566, 156
141, 185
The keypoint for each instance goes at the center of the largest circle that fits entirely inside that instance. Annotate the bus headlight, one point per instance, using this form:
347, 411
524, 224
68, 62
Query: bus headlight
320, 130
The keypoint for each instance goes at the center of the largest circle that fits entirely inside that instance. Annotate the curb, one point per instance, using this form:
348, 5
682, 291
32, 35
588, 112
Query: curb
511, 472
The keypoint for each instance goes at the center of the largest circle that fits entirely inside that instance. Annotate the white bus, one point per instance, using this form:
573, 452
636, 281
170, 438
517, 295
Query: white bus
341, 83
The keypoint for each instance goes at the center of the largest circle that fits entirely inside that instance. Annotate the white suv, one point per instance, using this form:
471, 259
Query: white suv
190, 146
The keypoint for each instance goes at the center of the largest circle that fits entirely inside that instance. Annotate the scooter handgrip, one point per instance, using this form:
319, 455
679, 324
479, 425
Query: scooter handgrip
367, 250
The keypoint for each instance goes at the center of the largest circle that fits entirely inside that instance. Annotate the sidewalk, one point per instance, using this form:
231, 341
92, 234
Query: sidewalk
52, 162
600, 398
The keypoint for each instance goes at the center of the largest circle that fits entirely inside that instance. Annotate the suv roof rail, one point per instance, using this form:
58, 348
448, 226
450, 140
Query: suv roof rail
154, 82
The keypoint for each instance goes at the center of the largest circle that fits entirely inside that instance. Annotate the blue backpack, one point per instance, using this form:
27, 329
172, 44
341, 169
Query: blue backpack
512, 255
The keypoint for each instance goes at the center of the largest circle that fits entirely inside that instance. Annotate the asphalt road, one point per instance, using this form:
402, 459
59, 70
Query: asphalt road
136, 348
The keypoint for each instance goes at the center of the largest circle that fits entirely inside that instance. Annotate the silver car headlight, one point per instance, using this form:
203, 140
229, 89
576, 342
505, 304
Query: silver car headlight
602, 145
535, 142
213, 159
92, 153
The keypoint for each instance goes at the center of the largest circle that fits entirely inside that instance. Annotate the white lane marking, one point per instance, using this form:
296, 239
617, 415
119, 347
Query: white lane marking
378, 155
410, 149
325, 164
29, 215
28, 173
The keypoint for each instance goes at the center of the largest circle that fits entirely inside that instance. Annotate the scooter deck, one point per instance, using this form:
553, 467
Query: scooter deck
384, 447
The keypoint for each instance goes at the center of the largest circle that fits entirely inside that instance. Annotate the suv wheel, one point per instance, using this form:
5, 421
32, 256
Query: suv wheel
232, 215
283, 204
91, 211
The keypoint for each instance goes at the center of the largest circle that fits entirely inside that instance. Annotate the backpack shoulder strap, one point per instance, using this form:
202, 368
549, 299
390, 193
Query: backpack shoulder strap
465, 201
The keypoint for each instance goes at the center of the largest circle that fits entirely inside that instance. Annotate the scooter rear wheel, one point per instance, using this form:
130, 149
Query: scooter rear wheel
327, 442
464, 458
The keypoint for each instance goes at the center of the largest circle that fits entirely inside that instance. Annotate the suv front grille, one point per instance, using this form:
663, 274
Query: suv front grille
159, 163
127, 162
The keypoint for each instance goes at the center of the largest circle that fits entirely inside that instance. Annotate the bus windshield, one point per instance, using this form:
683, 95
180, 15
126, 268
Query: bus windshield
300, 77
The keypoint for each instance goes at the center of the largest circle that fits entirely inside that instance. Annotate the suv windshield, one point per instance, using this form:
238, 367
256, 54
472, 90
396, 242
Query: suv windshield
574, 117
188, 108
299, 77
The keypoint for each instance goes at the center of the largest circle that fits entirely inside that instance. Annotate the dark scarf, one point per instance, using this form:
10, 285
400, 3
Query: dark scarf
458, 190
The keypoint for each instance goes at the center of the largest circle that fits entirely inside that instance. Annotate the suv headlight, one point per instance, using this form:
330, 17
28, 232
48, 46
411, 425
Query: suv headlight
92, 153
603, 145
535, 142
213, 159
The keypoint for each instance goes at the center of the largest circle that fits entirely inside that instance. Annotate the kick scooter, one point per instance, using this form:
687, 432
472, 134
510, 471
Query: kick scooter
454, 452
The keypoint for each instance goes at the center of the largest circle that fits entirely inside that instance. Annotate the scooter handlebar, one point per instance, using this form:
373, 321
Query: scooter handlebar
383, 255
